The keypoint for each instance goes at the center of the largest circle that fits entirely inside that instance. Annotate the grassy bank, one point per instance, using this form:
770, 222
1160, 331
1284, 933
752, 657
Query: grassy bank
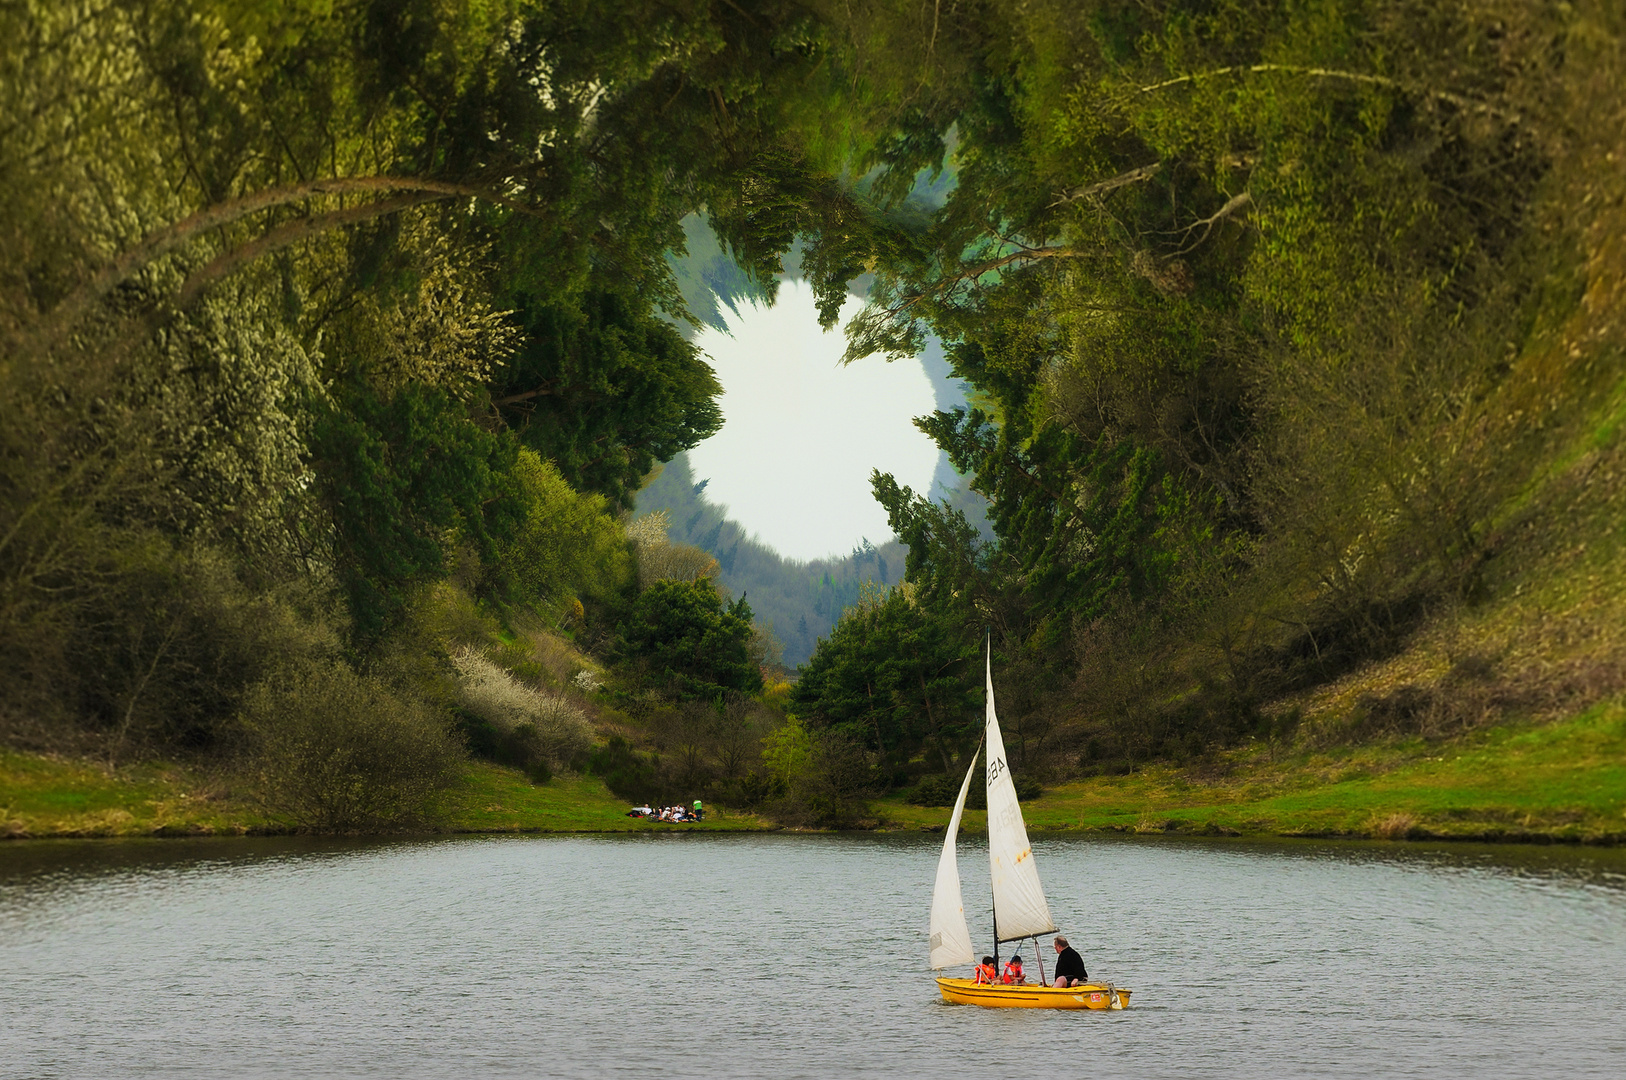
52, 797
494, 799
48, 796
1554, 782
1535, 783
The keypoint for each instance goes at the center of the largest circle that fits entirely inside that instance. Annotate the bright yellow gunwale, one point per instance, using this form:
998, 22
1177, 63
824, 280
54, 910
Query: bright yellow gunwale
1088, 996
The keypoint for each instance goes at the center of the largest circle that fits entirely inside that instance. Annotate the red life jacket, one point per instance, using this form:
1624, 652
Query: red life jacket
986, 973
1012, 973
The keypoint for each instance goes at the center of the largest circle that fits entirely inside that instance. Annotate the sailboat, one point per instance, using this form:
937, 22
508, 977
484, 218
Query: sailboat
1019, 905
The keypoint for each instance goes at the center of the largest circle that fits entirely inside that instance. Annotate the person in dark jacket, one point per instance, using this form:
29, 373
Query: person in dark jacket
1069, 965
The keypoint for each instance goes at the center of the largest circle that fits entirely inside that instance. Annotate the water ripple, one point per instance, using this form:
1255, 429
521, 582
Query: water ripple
794, 956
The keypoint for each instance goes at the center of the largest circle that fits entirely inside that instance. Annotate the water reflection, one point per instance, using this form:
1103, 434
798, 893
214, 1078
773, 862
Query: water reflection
803, 955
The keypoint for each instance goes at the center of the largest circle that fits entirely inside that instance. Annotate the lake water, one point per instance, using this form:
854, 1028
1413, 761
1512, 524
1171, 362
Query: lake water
796, 956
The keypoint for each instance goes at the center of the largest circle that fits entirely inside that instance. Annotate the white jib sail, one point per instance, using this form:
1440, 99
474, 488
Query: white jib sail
951, 941
1019, 903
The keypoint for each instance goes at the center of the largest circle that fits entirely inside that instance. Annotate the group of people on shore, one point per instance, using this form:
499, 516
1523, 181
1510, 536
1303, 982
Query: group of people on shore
1069, 969
669, 813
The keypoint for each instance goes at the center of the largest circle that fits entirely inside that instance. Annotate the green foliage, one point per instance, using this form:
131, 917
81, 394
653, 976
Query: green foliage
604, 388
894, 679
1229, 283
171, 642
1246, 295
813, 776
830, 790
148, 646
402, 479
338, 750
787, 754
565, 543
682, 635
627, 772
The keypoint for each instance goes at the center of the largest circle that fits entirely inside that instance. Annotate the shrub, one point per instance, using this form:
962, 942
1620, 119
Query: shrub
337, 750
823, 777
1393, 827
628, 773
163, 643
937, 790
683, 634
541, 733
659, 559
565, 542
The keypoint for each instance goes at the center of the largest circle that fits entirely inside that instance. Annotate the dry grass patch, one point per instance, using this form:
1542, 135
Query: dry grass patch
1393, 826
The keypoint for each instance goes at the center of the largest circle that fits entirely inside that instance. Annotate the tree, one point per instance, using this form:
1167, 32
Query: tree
1226, 286
402, 480
683, 635
604, 391
564, 544
894, 678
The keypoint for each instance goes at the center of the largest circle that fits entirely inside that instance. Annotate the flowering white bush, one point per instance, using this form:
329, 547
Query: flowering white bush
661, 560
491, 693
586, 682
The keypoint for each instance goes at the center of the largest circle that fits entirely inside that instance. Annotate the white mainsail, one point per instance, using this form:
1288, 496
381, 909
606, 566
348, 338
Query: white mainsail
1020, 909
951, 940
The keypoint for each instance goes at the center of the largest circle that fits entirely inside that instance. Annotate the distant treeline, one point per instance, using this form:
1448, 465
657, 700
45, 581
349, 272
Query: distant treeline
800, 601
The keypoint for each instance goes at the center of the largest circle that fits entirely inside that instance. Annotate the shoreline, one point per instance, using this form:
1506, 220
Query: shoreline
1605, 841
1532, 784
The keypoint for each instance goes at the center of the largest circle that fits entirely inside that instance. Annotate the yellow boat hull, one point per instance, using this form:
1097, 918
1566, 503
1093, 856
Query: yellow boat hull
1088, 996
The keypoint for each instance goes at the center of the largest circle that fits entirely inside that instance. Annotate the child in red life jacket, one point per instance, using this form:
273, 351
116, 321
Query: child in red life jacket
986, 972
1013, 972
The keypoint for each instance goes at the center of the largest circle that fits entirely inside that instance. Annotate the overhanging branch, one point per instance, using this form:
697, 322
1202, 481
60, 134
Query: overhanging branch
1459, 100
292, 233
60, 319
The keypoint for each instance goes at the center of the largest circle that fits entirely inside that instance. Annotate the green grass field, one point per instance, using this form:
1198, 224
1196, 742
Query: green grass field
51, 797
1563, 781
495, 799
42, 796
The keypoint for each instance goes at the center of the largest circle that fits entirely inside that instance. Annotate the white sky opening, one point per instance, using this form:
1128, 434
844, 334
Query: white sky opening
801, 433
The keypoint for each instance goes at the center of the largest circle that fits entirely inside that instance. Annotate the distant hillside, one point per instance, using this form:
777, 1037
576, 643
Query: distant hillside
708, 277
800, 599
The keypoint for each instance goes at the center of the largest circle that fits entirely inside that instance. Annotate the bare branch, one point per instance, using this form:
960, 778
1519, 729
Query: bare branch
1233, 206
1472, 104
1133, 176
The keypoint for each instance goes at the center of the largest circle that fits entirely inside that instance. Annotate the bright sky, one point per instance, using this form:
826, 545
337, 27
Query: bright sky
801, 433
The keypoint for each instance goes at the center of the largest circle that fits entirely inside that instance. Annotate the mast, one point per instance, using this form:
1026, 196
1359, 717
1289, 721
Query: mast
1012, 874
993, 897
